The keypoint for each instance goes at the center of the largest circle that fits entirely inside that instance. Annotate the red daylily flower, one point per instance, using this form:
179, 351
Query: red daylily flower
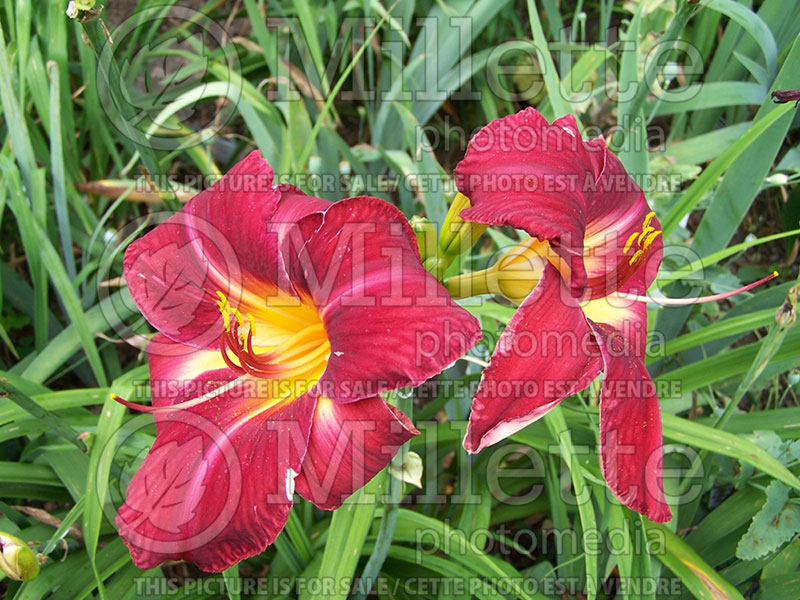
281, 319
595, 246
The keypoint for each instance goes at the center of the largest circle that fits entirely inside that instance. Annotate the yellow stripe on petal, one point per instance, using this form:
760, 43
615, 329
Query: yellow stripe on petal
613, 310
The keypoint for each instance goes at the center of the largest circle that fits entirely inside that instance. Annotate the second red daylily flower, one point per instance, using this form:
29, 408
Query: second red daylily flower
281, 319
594, 243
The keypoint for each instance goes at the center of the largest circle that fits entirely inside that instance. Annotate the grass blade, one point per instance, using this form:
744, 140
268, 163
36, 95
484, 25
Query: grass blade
59, 180
53, 421
348, 531
703, 184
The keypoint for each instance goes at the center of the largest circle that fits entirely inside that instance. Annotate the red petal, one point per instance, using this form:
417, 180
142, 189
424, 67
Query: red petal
179, 372
616, 216
389, 322
546, 353
217, 242
216, 486
294, 205
349, 445
631, 446
522, 172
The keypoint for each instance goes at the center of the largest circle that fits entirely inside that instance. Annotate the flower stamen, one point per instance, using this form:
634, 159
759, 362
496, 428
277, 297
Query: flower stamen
298, 354
699, 300
643, 239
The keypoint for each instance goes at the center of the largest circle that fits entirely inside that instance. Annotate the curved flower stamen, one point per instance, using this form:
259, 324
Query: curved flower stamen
642, 240
664, 301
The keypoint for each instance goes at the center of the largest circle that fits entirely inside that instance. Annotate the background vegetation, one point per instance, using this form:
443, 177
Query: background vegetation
69, 165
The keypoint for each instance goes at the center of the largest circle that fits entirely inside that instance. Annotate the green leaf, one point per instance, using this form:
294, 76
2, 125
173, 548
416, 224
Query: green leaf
781, 586
305, 153
232, 582
696, 574
72, 304
62, 530
743, 180
754, 25
558, 428
560, 106
413, 527
776, 523
349, 527
52, 420
703, 184
108, 314
101, 458
59, 180
727, 444
383, 542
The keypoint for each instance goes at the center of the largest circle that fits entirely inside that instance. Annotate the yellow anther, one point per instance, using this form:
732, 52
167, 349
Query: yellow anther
252, 320
239, 317
649, 239
775, 273
629, 243
644, 233
643, 239
224, 310
222, 302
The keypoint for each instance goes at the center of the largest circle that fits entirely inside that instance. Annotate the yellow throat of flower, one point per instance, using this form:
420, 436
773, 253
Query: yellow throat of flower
297, 350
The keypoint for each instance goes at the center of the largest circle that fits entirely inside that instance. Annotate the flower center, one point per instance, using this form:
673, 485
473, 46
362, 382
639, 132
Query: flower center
519, 270
303, 353
285, 342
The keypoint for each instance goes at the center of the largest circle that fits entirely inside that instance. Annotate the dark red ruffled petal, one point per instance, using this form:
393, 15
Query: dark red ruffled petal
389, 322
294, 204
546, 353
349, 445
522, 172
631, 447
545, 179
216, 487
179, 372
623, 235
217, 242
293, 207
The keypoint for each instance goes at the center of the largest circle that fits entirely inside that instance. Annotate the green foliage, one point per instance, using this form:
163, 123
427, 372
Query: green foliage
776, 523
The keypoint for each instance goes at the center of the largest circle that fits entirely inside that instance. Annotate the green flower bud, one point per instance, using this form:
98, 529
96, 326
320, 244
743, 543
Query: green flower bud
458, 235
426, 236
436, 266
17, 560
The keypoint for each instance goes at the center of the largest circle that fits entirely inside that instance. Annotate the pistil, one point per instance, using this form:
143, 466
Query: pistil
699, 300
